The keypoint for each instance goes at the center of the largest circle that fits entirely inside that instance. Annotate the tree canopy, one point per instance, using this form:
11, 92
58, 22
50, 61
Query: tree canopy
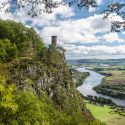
47, 5
8, 51
119, 10
17, 40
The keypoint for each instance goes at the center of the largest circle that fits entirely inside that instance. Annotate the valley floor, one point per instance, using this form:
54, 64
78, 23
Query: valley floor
113, 84
106, 114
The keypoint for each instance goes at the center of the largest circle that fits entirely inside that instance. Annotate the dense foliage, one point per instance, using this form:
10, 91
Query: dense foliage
8, 51
79, 77
23, 41
117, 8
24, 108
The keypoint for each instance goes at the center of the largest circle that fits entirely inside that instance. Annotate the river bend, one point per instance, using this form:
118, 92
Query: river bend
91, 81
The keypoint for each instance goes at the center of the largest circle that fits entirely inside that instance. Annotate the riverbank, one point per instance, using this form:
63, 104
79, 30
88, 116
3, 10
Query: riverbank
79, 77
104, 113
113, 84
95, 79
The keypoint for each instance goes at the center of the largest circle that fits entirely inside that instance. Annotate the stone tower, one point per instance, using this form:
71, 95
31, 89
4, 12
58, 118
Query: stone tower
54, 40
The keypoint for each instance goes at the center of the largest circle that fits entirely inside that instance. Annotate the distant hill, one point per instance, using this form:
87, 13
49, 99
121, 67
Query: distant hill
98, 61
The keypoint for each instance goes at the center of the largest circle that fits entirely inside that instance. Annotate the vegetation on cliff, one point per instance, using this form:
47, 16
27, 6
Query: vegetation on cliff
36, 87
78, 76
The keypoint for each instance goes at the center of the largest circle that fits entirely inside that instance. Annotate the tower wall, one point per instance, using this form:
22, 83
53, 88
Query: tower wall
54, 40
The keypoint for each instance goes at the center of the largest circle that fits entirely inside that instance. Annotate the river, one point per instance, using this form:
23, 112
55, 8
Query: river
93, 80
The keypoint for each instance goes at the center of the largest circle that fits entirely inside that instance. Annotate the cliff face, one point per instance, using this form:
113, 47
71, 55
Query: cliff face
47, 71
56, 81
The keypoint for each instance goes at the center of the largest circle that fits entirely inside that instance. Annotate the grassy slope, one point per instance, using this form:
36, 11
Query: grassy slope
106, 114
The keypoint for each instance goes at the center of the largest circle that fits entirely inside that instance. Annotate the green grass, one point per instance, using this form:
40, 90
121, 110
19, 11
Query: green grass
118, 77
106, 114
113, 85
115, 72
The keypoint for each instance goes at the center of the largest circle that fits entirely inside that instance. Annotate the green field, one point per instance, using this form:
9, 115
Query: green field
118, 77
114, 84
106, 114
116, 74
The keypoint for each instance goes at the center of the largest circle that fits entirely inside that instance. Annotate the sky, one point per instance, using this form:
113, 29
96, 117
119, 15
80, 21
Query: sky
83, 33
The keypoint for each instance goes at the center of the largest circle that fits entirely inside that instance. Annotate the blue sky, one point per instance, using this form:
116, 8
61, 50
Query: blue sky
84, 34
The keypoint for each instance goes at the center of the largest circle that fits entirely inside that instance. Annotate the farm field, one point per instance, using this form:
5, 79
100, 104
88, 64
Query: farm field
117, 77
106, 114
113, 84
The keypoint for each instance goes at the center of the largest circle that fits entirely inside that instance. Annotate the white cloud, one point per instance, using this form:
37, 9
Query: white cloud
92, 9
70, 30
64, 11
99, 2
94, 51
81, 30
112, 37
123, 33
42, 19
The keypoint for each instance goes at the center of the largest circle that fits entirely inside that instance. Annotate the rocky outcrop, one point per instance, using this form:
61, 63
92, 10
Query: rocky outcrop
56, 81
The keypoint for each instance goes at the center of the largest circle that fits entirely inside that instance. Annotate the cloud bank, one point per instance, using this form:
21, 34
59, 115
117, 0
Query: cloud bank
73, 33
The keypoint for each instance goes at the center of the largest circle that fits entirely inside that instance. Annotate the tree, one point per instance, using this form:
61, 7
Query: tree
2, 51
28, 108
48, 5
8, 51
119, 10
8, 107
21, 41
